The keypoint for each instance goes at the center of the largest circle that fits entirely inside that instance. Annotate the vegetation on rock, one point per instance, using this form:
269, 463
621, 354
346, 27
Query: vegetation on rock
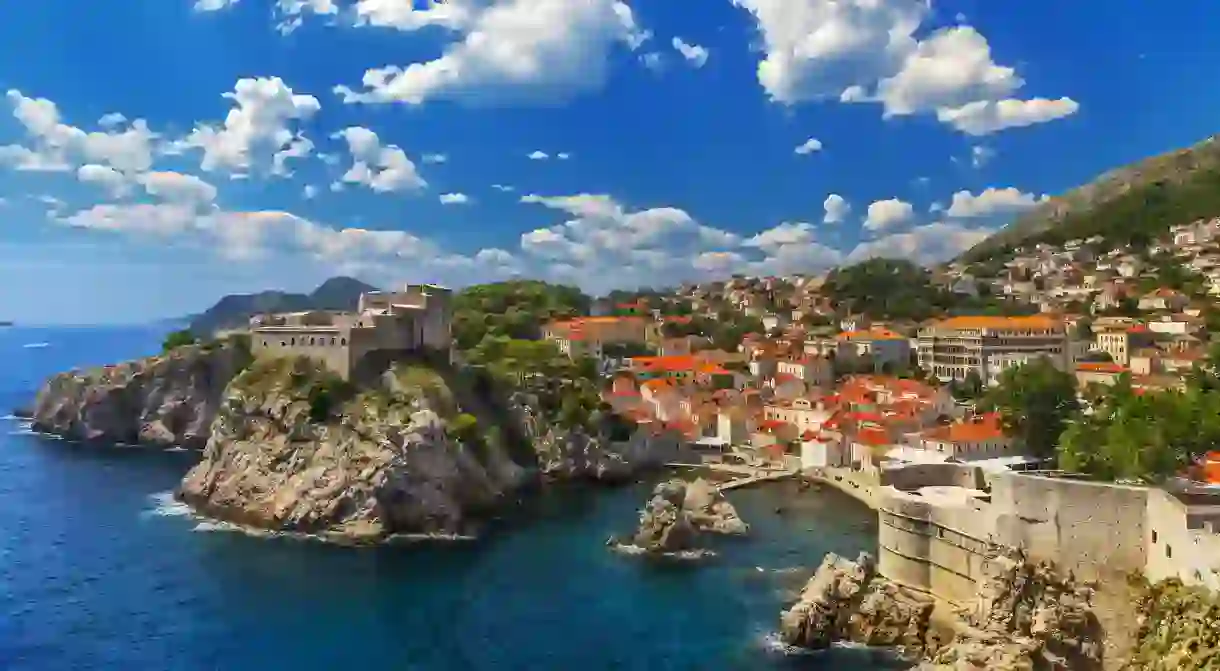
1179, 629
178, 339
513, 309
1131, 205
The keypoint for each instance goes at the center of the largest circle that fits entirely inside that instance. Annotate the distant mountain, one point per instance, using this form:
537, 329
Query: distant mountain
337, 293
1131, 204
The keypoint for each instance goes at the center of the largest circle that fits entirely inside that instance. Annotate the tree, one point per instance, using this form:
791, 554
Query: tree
178, 339
1035, 400
465, 428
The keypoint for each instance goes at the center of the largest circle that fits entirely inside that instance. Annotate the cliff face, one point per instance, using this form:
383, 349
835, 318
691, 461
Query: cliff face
680, 512
576, 454
292, 451
167, 400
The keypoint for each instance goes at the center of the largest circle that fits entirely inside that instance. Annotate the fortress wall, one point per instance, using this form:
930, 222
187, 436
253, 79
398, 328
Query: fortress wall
934, 475
1094, 530
324, 344
936, 548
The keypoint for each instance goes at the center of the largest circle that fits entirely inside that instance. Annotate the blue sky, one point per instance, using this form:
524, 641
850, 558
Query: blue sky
155, 155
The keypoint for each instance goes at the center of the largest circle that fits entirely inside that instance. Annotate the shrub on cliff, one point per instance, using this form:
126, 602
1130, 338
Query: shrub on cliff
178, 339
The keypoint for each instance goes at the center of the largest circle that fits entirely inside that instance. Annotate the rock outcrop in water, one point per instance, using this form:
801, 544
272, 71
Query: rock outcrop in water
294, 450
1027, 616
848, 601
680, 512
166, 400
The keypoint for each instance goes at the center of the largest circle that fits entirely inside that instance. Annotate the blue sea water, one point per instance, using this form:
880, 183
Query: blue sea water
99, 569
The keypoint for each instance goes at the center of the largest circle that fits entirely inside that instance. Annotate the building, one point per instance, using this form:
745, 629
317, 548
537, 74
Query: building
886, 349
585, 336
1121, 341
974, 438
953, 348
413, 319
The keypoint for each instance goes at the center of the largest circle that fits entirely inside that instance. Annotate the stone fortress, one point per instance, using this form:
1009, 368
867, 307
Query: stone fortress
939, 524
385, 323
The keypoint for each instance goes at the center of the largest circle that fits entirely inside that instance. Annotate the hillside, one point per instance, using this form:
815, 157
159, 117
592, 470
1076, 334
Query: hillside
1133, 203
337, 293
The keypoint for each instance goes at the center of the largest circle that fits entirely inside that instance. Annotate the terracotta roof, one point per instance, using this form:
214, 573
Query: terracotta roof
872, 436
667, 364
871, 334
655, 385
982, 428
999, 323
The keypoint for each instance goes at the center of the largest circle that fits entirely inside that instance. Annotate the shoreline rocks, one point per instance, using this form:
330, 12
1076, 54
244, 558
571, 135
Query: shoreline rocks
168, 400
380, 464
848, 601
679, 514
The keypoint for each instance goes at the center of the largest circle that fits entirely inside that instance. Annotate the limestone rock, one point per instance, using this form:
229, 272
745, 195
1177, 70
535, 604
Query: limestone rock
1179, 628
166, 400
380, 465
574, 454
679, 512
848, 601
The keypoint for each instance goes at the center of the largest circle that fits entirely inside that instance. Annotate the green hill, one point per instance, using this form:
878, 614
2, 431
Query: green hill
337, 293
1132, 204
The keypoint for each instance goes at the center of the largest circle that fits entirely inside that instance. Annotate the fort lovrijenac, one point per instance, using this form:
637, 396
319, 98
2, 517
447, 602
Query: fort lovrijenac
415, 318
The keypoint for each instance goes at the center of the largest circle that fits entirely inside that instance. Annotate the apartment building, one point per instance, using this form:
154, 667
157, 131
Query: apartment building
953, 348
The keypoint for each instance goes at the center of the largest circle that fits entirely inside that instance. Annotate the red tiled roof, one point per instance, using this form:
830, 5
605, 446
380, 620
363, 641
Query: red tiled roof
1101, 367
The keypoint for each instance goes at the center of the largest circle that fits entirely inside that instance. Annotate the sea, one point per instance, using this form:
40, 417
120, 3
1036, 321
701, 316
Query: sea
101, 569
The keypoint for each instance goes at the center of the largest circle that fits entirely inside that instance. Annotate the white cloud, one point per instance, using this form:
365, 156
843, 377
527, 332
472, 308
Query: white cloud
175, 187
991, 202
867, 51
784, 234
259, 128
951, 68
563, 156
112, 180
111, 120
380, 168
654, 61
980, 155
309, 192
809, 146
925, 244
693, 53
538, 155
213, 5
290, 13
454, 199
59, 147
985, 116
836, 207
883, 214
509, 50
502, 188
434, 158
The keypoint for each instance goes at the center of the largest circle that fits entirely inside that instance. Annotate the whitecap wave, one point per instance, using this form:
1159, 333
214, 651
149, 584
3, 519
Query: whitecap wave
36, 345
165, 505
176, 448
212, 525
771, 642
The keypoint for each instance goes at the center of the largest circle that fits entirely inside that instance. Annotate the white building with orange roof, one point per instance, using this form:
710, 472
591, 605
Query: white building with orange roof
808, 368
953, 348
803, 413
972, 439
884, 347
1164, 298
585, 336
664, 399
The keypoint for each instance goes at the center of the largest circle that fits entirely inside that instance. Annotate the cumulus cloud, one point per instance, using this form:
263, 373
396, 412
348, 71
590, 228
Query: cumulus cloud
454, 199
981, 156
502, 188
309, 192
382, 168
113, 181
986, 116
928, 244
213, 5
510, 50
809, 146
538, 155
884, 214
434, 158
991, 202
175, 187
867, 51
836, 207
260, 129
693, 53
55, 146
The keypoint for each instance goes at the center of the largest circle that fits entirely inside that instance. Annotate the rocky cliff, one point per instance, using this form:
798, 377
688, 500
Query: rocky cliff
679, 513
297, 451
1027, 616
566, 453
167, 400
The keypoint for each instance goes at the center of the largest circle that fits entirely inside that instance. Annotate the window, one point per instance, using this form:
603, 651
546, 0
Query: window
1154, 535
293, 341
1169, 552
343, 342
